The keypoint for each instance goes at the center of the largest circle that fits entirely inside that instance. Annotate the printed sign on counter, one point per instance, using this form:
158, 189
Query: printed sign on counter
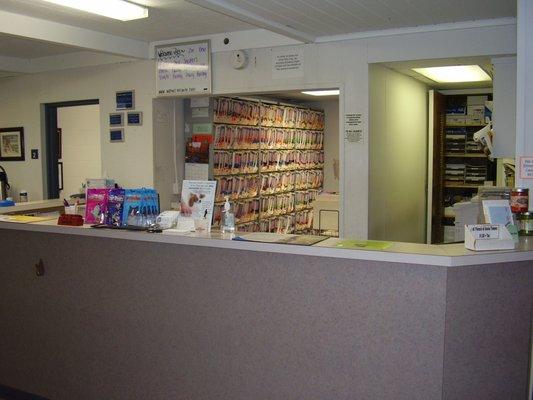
488, 237
183, 69
197, 202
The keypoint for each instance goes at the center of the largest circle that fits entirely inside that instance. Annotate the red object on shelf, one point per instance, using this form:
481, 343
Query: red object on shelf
203, 138
70, 220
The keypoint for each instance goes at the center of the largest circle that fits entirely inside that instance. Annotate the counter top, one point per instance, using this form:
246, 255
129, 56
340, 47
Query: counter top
449, 255
32, 206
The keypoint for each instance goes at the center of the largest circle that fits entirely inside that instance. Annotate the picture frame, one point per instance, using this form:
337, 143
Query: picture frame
116, 119
12, 144
125, 100
116, 135
134, 118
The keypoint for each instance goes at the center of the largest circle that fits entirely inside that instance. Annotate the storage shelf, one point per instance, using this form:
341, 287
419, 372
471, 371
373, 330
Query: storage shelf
223, 175
277, 146
262, 149
466, 155
462, 186
259, 125
236, 124
465, 125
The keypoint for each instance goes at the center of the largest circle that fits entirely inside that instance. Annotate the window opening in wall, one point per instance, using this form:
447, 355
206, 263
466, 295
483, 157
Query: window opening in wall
275, 155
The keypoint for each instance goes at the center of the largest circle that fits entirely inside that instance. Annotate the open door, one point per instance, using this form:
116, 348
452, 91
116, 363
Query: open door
436, 119
55, 142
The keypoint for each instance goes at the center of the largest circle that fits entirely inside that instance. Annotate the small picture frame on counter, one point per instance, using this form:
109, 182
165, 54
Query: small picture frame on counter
135, 118
116, 119
116, 135
125, 100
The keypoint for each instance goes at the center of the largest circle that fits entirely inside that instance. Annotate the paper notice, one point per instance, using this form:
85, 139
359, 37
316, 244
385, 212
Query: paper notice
353, 128
288, 63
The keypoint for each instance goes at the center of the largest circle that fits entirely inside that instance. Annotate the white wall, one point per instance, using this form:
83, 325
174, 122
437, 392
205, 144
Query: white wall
81, 148
345, 65
169, 149
524, 88
504, 113
130, 163
336, 64
398, 156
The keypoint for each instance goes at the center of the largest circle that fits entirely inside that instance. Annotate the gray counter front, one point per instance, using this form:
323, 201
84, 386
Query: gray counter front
127, 316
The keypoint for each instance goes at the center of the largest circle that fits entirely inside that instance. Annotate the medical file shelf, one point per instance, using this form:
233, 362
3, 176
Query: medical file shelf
268, 159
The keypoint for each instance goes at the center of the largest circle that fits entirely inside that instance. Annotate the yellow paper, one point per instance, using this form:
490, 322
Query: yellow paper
364, 244
24, 219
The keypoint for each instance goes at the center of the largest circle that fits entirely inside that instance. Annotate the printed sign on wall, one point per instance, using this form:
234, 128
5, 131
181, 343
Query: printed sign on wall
353, 128
526, 168
288, 63
183, 69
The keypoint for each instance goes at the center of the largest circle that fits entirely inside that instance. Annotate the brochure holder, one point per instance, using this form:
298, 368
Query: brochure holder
488, 237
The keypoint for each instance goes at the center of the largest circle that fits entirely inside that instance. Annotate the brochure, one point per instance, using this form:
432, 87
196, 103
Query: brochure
197, 202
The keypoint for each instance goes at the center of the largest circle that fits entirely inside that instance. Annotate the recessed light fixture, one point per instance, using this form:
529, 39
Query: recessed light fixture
117, 9
456, 73
333, 92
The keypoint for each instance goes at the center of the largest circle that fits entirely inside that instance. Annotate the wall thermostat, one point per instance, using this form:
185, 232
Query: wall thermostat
239, 59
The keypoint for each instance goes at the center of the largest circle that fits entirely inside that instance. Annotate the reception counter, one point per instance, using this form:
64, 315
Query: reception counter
93, 314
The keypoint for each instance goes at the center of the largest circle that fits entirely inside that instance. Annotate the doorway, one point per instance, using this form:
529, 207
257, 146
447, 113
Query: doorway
73, 151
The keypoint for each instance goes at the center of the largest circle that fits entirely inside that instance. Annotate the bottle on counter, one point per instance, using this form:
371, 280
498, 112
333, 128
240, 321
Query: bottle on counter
23, 196
228, 218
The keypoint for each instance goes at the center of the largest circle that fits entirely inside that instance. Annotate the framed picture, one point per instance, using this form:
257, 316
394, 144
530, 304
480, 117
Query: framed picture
12, 144
125, 100
135, 118
116, 119
116, 135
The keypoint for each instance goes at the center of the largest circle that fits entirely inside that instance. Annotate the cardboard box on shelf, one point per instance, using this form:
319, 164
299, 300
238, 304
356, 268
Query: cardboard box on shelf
474, 120
476, 100
476, 110
453, 119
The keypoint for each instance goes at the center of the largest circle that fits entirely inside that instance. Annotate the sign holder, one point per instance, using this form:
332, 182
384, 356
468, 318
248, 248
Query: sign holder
183, 69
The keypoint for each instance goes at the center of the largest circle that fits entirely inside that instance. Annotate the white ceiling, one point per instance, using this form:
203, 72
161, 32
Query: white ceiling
335, 17
11, 46
171, 19
304, 20
168, 19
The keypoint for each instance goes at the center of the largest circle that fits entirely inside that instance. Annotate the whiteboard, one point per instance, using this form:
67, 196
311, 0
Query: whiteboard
183, 69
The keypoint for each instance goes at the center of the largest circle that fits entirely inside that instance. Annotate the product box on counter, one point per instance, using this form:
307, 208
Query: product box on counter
121, 207
96, 205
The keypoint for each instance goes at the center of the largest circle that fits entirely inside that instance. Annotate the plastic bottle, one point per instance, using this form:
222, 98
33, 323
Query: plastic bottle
228, 218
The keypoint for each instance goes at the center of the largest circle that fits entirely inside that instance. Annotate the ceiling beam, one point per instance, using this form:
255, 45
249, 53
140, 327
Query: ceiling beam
223, 7
15, 64
47, 31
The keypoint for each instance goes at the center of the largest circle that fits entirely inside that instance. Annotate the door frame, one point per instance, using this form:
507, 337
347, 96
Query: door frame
51, 142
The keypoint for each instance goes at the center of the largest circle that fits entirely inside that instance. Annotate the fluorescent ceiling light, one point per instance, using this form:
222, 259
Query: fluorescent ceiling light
458, 73
332, 92
117, 9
